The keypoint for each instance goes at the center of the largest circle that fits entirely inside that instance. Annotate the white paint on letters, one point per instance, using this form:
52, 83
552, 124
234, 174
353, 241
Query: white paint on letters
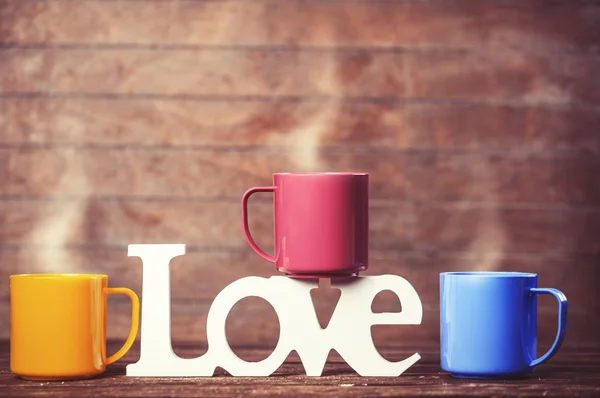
348, 332
156, 353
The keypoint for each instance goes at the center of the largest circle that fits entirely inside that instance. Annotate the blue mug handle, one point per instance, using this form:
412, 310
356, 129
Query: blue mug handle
562, 322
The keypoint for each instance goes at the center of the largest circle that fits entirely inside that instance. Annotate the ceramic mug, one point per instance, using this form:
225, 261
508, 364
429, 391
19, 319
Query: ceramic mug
58, 325
321, 223
488, 323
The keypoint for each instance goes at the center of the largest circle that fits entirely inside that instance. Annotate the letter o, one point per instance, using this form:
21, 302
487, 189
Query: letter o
218, 346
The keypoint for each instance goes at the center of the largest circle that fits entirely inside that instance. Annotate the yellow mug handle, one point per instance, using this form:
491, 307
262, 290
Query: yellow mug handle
135, 318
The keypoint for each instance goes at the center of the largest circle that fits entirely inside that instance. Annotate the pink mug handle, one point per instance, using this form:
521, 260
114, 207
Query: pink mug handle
249, 238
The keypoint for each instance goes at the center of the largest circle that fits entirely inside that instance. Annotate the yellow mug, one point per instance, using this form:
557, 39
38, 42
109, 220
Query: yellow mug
58, 325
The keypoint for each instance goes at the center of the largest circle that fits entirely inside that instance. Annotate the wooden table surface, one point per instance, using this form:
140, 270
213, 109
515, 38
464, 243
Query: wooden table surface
574, 371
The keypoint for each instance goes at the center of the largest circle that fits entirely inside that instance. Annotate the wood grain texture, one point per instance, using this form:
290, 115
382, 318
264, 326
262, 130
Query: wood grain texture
506, 77
532, 25
430, 176
327, 124
501, 128
178, 173
490, 228
210, 72
208, 224
216, 224
508, 177
183, 123
572, 372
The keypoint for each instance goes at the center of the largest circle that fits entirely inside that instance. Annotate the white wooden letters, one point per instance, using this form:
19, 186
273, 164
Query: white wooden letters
348, 331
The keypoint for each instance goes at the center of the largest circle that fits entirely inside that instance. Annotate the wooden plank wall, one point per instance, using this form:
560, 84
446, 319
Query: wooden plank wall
145, 121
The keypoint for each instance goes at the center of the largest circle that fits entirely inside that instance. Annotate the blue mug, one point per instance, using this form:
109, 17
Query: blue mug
488, 324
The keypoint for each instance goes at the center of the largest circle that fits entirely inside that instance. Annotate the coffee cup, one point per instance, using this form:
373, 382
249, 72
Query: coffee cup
488, 324
58, 325
321, 223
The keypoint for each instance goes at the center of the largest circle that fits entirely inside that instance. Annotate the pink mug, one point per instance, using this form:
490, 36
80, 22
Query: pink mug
321, 223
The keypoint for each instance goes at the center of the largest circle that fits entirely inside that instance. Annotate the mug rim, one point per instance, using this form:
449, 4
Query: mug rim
57, 276
490, 274
321, 173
